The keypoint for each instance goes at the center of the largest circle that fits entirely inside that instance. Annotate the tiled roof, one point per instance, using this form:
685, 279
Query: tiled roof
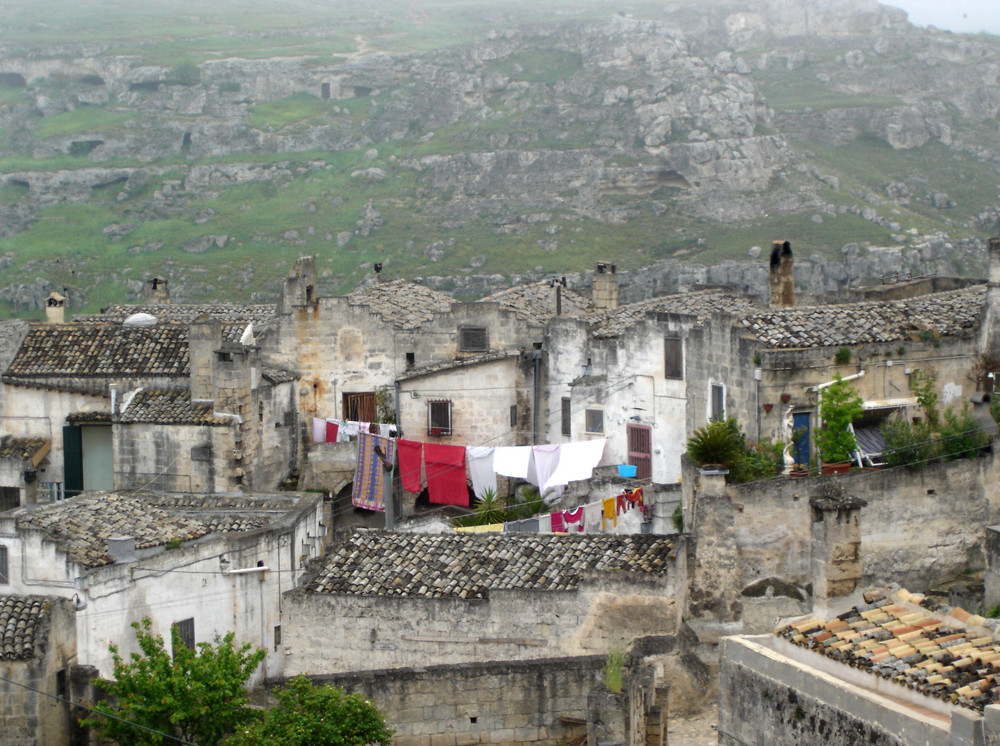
82, 525
701, 304
948, 314
941, 652
29, 449
185, 313
169, 408
227, 513
536, 302
278, 375
89, 350
469, 565
22, 625
404, 304
488, 357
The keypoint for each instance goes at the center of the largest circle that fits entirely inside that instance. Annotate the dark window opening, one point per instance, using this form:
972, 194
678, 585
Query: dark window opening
360, 406
567, 416
277, 636
718, 411
10, 498
595, 421
439, 418
473, 339
513, 415
4, 575
411, 359
673, 357
324, 91
185, 632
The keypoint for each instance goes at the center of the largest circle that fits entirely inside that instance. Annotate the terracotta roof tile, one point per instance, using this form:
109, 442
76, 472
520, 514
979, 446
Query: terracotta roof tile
24, 448
23, 625
169, 408
913, 644
375, 563
700, 304
259, 315
536, 302
404, 304
489, 357
91, 350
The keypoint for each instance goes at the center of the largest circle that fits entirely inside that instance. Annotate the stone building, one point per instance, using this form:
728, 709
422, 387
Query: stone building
209, 563
895, 669
37, 649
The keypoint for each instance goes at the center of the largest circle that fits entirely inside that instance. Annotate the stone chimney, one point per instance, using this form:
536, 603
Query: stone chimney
604, 291
782, 275
378, 272
204, 337
122, 548
157, 290
836, 543
989, 340
300, 285
55, 308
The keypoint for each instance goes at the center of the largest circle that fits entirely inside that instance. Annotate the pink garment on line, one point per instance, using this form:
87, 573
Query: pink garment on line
574, 518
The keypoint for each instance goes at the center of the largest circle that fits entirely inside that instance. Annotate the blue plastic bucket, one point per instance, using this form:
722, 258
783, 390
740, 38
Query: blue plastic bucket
626, 470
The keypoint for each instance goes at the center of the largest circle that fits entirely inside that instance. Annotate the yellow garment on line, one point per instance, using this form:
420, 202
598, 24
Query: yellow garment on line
609, 512
485, 528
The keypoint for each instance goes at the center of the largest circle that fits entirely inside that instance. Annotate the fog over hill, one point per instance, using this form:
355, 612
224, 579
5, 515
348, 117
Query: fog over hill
475, 145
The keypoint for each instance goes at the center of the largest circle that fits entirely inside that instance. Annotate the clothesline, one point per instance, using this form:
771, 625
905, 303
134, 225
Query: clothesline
590, 518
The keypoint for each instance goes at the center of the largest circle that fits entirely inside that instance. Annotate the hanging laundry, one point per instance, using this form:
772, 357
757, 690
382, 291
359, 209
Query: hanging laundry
622, 504
635, 496
525, 526
558, 523
386, 430
481, 469
332, 430
608, 512
483, 529
512, 461
573, 519
445, 466
319, 430
545, 524
593, 518
544, 460
628, 523
577, 461
411, 456
370, 475
349, 429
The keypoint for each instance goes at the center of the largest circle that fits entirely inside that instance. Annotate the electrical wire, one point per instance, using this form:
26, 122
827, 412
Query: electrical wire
70, 702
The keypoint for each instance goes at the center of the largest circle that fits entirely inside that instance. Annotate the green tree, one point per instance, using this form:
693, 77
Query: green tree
839, 406
197, 696
310, 715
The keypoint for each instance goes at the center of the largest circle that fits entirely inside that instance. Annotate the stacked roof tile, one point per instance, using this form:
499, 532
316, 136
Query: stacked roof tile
85, 350
536, 302
172, 407
700, 304
948, 314
24, 448
469, 566
22, 625
404, 304
277, 376
947, 654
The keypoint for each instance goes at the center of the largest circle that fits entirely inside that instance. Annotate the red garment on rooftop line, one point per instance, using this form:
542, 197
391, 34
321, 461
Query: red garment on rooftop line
410, 458
445, 466
331, 431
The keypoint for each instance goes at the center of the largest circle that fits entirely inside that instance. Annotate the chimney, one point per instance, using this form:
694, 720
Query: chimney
121, 548
836, 543
604, 291
55, 308
378, 272
157, 290
782, 275
300, 285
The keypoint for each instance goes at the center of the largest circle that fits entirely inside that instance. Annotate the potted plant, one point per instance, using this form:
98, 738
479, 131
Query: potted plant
839, 406
716, 444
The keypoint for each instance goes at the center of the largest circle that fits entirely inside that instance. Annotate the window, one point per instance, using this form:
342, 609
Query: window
4, 575
473, 339
567, 416
185, 630
360, 407
673, 357
717, 405
439, 418
411, 360
595, 421
513, 415
10, 498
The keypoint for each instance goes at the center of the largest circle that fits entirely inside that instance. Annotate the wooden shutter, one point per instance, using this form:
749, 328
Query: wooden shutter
640, 450
673, 357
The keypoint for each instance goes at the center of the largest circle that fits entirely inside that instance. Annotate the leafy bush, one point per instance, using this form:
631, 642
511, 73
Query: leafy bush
960, 435
758, 460
906, 444
614, 670
839, 406
716, 443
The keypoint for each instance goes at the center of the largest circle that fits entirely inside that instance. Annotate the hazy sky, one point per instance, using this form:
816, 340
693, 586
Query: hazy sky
955, 15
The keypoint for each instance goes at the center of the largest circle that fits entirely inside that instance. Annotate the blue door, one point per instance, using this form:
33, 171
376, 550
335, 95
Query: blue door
800, 431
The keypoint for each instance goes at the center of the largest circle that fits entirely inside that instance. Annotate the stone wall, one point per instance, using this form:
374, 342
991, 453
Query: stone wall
918, 528
537, 701
178, 458
392, 632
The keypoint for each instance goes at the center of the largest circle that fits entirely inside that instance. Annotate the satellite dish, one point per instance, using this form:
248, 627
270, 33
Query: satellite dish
140, 319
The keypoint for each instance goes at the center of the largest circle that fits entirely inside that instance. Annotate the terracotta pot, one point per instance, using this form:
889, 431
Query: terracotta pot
768, 407
841, 468
785, 398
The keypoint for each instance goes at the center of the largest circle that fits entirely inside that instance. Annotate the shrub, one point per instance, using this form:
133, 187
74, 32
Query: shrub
908, 445
842, 356
839, 406
960, 435
759, 460
716, 443
614, 670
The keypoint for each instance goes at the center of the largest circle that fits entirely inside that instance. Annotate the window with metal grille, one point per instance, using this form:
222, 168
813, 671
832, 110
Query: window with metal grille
439, 417
595, 421
640, 450
718, 403
473, 339
567, 416
673, 357
4, 575
185, 631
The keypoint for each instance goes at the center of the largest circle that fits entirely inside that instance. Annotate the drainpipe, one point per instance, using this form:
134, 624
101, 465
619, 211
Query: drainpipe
536, 359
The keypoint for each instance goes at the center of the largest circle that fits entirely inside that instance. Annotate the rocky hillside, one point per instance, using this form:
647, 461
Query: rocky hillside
679, 137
